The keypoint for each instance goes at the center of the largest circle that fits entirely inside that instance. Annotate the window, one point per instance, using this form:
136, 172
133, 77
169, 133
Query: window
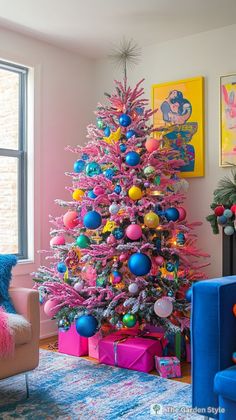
13, 159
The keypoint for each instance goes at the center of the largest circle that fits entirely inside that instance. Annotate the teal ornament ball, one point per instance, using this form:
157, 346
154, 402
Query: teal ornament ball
93, 168
180, 238
91, 194
228, 230
83, 241
101, 281
86, 325
79, 166
170, 267
61, 267
92, 220
188, 294
228, 213
125, 120
129, 320
132, 158
139, 264
118, 232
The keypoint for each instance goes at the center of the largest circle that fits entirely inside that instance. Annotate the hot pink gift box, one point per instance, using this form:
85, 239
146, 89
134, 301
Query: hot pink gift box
168, 367
93, 345
70, 342
136, 353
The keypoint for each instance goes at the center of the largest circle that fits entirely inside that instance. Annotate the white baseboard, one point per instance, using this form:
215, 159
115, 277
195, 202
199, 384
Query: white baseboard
48, 328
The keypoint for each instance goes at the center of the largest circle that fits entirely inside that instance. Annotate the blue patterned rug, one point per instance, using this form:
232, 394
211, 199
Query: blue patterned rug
70, 388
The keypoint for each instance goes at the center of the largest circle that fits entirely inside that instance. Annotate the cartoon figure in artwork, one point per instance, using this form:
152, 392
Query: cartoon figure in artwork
176, 109
230, 107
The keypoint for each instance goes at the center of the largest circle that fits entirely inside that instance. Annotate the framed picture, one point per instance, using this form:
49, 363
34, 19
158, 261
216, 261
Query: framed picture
228, 120
179, 120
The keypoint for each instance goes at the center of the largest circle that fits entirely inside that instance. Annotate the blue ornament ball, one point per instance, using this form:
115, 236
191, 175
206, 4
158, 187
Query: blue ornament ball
92, 220
118, 232
123, 147
93, 168
61, 267
188, 294
158, 244
125, 120
139, 264
86, 325
63, 325
170, 267
229, 230
117, 189
222, 220
107, 131
139, 110
85, 156
79, 166
91, 194
132, 158
171, 214
234, 357
109, 173
130, 133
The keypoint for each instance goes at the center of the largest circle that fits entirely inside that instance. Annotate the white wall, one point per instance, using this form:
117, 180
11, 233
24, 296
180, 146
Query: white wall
209, 54
63, 108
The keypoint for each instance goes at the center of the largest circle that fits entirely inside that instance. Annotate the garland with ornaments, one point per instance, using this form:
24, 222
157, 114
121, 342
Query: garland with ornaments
224, 206
122, 253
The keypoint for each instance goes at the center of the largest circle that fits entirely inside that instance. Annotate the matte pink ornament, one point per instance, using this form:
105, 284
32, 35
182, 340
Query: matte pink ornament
111, 240
123, 257
134, 232
49, 308
163, 307
159, 260
57, 240
182, 213
70, 219
98, 190
151, 145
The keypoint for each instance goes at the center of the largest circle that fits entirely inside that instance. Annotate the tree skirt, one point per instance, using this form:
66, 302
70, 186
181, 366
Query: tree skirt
67, 387
7, 344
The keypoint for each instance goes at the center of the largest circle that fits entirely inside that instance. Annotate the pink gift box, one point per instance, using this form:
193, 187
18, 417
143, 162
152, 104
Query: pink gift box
93, 345
70, 342
168, 367
136, 353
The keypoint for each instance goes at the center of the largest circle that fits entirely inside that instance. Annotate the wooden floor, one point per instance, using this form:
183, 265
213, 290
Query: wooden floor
49, 344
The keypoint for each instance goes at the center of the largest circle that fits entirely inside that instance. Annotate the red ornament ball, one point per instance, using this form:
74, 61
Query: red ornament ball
233, 208
151, 145
159, 260
219, 210
70, 219
234, 309
182, 213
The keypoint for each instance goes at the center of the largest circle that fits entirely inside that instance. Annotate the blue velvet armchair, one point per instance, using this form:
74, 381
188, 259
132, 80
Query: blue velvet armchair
213, 330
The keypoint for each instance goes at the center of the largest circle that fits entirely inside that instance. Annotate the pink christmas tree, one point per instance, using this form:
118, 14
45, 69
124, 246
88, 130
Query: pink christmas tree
123, 252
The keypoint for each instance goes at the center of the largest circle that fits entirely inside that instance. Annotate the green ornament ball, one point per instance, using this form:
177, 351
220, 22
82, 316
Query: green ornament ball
83, 241
129, 320
101, 281
157, 180
100, 123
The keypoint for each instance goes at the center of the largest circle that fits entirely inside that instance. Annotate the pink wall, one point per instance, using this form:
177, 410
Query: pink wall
63, 108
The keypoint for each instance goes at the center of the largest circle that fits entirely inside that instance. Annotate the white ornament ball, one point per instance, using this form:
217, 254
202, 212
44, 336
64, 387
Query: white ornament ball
78, 286
133, 288
229, 230
114, 208
163, 307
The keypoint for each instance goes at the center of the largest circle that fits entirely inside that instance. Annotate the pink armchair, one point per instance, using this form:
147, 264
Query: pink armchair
26, 356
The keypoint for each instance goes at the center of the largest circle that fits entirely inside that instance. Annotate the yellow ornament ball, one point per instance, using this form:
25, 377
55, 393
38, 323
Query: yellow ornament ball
151, 220
135, 193
77, 195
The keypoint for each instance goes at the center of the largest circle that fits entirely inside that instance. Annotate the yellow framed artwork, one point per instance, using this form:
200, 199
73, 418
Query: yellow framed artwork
228, 120
179, 121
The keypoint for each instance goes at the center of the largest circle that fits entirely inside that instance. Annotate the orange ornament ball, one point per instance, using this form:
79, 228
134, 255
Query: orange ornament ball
234, 309
151, 145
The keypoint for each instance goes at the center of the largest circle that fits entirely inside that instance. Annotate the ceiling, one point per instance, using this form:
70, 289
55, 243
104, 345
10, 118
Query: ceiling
91, 26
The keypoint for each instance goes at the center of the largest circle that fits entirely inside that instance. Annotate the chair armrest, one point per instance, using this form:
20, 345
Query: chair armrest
213, 336
26, 303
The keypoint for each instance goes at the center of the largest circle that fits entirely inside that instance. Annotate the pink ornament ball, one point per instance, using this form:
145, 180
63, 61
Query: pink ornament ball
57, 240
123, 257
70, 219
78, 286
98, 190
111, 240
182, 213
134, 232
163, 307
159, 260
50, 308
151, 145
